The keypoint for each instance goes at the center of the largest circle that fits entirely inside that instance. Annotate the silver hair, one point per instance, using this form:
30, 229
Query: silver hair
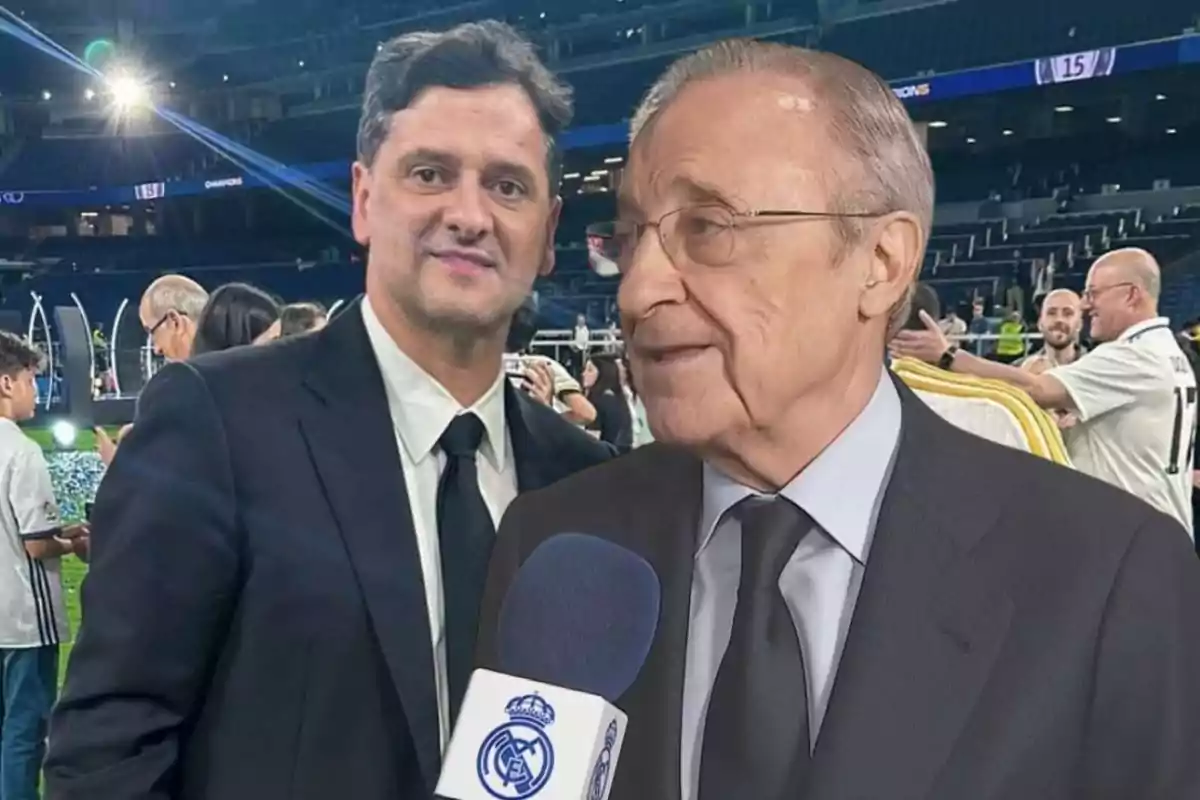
886, 167
176, 293
471, 55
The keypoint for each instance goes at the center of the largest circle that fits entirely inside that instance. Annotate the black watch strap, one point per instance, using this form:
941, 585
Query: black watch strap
946, 362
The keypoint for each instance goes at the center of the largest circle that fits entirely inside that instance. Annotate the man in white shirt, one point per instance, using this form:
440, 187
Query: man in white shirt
1134, 396
33, 620
291, 544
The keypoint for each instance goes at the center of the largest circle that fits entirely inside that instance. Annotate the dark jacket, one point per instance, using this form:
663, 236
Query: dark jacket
255, 621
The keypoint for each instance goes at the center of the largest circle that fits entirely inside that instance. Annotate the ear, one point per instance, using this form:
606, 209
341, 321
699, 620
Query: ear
894, 262
7, 384
551, 228
360, 183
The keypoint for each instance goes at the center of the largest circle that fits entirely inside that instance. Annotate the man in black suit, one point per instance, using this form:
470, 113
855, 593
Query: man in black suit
859, 600
292, 544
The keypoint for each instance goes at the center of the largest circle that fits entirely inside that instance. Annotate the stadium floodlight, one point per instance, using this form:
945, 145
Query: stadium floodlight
129, 92
89, 94
46, 95
63, 433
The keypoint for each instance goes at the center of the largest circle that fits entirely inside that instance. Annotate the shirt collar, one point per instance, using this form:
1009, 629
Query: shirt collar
840, 489
422, 408
1134, 330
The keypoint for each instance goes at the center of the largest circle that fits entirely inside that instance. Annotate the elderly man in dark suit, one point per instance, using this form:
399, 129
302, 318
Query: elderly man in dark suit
292, 543
859, 600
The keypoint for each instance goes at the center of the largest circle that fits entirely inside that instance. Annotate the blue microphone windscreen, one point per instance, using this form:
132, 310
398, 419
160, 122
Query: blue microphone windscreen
581, 614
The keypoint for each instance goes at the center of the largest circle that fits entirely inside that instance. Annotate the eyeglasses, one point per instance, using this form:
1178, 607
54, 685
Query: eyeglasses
163, 321
1092, 292
702, 234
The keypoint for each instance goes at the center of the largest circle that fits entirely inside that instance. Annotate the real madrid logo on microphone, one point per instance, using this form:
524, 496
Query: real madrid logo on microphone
517, 759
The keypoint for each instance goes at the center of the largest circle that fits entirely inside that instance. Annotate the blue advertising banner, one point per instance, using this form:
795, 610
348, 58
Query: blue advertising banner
1062, 68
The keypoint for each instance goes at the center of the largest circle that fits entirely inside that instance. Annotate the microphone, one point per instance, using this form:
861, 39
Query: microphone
573, 632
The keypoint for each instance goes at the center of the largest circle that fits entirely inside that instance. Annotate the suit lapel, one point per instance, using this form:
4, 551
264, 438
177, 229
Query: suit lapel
529, 448
352, 442
663, 524
926, 628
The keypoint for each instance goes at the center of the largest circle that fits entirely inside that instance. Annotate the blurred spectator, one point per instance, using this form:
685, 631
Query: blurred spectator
237, 314
1014, 299
169, 310
297, 318
981, 325
580, 345
540, 376
953, 325
602, 382
1010, 346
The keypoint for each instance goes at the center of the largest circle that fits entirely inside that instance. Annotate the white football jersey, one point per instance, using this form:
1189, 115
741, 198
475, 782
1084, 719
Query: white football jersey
32, 613
1136, 402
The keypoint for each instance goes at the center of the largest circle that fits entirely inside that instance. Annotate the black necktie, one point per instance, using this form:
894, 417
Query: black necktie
756, 741
466, 533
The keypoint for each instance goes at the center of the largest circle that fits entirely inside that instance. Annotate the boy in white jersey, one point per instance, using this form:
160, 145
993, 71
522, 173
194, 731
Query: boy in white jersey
1134, 396
33, 620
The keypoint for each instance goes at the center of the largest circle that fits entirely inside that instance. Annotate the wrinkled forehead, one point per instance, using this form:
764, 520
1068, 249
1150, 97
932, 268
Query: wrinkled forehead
745, 139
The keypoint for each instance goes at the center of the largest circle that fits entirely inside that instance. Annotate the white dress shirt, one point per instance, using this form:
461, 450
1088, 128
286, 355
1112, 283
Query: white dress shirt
841, 490
421, 409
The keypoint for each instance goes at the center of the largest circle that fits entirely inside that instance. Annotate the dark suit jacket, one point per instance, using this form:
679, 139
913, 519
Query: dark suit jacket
255, 622
1023, 632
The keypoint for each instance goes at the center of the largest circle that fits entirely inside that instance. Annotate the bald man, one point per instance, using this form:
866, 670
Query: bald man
1060, 324
1134, 396
169, 309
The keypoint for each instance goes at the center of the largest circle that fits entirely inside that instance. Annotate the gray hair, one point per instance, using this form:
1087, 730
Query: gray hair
175, 293
469, 56
886, 167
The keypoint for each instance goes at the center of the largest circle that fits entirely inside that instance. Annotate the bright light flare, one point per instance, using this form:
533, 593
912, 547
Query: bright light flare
63, 432
129, 92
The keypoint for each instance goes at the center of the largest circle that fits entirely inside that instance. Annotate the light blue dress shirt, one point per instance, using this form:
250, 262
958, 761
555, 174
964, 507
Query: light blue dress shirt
841, 490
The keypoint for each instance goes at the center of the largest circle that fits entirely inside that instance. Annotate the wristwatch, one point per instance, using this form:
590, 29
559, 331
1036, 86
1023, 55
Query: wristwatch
946, 362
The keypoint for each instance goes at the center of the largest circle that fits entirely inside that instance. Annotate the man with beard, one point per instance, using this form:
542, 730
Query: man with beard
993, 410
1134, 396
1060, 323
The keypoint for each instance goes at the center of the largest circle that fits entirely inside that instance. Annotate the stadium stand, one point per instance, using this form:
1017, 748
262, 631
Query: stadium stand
1012, 211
